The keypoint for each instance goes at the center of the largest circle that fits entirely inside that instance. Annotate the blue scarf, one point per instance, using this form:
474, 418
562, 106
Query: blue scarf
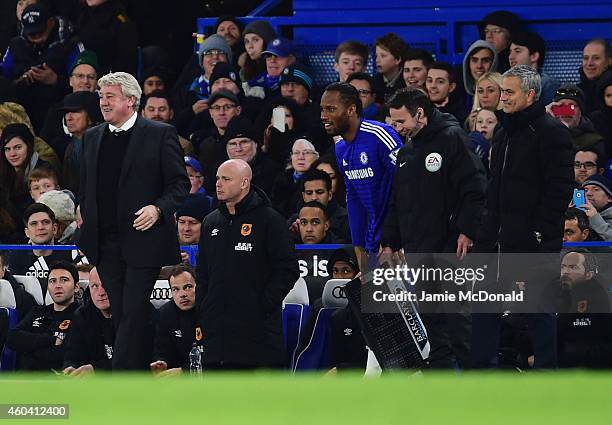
200, 87
265, 81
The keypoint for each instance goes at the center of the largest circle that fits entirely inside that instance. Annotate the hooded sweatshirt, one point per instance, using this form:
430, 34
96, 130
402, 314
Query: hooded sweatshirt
468, 80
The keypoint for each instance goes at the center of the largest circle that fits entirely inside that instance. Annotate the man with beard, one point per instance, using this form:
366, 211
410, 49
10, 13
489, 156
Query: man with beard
39, 338
366, 154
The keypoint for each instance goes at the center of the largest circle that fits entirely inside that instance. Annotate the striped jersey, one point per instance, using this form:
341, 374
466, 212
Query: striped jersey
368, 166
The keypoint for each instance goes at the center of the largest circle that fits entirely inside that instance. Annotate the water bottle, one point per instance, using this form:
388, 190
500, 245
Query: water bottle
195, 360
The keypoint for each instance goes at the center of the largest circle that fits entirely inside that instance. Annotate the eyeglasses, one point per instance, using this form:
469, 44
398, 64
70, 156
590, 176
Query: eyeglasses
305, 153
363, 92
89, 77
589, 165
226, 108
570, 92
242, 143
493, 31
214, 52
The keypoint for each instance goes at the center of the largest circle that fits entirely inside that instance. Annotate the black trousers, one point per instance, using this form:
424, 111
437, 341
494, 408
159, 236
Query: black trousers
129, 291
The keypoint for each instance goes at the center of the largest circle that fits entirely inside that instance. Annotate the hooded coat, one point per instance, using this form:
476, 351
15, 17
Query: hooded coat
468, 80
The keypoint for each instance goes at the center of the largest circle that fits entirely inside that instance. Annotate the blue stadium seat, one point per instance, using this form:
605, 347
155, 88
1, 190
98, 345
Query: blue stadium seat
294, 320
8, 320
316, 354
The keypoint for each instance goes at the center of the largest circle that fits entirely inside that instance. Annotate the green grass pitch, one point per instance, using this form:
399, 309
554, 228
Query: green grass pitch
266, 399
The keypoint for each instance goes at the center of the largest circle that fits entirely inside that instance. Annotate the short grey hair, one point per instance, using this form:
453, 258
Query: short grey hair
129, 85
307, 144
529, 77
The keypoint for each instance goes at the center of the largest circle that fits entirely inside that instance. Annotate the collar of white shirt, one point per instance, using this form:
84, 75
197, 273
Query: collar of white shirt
126, 125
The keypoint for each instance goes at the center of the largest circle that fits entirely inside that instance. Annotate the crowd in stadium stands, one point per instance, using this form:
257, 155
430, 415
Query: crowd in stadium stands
270, 155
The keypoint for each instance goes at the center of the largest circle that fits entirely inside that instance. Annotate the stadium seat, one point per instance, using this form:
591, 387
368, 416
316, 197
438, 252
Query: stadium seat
161, 293
32, 286
294, 320
333, 293
298, 294
316, 354
7, 296
8, 320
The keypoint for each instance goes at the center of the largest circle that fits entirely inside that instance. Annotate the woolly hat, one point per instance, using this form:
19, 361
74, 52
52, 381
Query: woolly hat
600, 181
262, 29
502, 18
298, 74
225, 70
195, 205
572, 92
239, 126
61, 203
215, 42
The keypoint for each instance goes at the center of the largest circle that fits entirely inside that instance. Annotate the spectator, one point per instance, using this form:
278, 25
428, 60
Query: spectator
526, 201
279, 54
62, 205
499, 28
24, 301
366, 154
481, 137
316, 185
596, 63
224, 105
226, 77
133, 179
38, 61
350, 56
587, 162
314, 224
189, 218
13, 113
241, 143
602, 118
598, 206
42, 180
83, 77
364, 84
584, 320
40, 228
285, 192
487, 96
576, 228
177, 328
276, 143
329, 164
228, 27
82, 111
90, 347
247, 332
390, 53
17, 161
214, 50
480, 58
39, 338
154, 79
528, 48
256, 35
156, 106
415, 68
441, 82
194, 172
106, 29
297, 85
582, 129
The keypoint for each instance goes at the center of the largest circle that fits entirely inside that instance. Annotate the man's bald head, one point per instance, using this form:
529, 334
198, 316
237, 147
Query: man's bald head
233, 181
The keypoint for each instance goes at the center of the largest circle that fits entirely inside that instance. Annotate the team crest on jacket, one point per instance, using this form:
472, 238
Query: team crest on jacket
582, 306
433, 162
64, 325
246, 228
198, 334
363, 158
